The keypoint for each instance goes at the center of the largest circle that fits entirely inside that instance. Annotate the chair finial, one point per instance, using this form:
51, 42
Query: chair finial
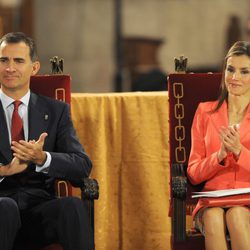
181, 64
56, 65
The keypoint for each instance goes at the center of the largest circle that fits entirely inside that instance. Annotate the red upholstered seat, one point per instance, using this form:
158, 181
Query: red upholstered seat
185, 92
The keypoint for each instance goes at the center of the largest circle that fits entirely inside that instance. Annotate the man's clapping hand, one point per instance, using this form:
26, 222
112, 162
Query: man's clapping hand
14, 167
31, 151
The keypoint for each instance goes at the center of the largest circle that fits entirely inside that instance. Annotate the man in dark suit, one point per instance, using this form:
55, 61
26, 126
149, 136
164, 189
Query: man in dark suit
37, 145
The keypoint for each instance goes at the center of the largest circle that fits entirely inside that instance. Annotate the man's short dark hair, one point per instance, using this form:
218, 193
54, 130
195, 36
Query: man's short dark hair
17, 37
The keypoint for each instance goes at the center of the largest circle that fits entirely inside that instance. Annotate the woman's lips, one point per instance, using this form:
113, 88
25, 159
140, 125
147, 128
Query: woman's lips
234, 85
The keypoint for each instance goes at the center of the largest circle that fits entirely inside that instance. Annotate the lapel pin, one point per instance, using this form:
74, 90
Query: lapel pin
46, 117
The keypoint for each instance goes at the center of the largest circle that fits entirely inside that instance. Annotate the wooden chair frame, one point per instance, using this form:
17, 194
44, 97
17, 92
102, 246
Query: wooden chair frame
60, 90
185, 92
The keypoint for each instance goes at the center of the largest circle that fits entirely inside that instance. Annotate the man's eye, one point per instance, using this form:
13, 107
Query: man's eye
19, 60
3, 59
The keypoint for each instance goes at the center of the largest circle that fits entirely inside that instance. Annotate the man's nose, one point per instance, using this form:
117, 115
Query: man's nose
10, 66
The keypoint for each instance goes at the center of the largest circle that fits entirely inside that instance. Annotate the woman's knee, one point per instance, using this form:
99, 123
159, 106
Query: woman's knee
214, 220
237, 218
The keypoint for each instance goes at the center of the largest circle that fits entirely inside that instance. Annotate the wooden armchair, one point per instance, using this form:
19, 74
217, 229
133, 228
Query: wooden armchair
58, 87
185, 92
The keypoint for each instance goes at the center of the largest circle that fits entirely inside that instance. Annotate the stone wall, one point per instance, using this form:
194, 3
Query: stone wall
82, 32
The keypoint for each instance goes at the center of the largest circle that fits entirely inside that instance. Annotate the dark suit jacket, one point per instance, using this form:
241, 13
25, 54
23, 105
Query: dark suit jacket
69, 160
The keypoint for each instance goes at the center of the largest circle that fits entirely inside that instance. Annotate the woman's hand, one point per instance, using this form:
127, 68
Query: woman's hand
222, 153
230, 139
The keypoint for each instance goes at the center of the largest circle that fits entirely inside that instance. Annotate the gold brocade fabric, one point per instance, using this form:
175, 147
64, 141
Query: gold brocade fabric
126, 137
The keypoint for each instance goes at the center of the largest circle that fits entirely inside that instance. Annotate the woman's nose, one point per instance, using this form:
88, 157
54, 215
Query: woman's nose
236, 75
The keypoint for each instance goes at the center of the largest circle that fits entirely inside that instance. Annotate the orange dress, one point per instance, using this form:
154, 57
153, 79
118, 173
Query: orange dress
203, 163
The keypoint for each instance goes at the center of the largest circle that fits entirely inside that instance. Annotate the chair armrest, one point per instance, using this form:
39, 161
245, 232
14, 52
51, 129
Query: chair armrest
179, 187
179, 191
89, 188
179, 182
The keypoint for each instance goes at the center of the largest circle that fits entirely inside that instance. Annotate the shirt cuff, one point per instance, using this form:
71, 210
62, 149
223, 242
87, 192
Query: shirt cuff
45, 167
1, 177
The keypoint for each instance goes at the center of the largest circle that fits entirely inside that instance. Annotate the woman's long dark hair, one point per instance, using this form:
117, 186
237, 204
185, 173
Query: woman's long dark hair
238, 49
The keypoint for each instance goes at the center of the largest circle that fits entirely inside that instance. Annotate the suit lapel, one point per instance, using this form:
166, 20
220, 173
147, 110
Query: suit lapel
244, 126
4, 141
38, 117
220, 117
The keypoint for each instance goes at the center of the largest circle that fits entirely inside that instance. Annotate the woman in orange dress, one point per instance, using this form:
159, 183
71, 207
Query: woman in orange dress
220, 154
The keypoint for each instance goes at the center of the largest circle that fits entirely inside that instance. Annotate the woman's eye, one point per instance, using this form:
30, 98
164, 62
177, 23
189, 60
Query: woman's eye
230, 70
245, 72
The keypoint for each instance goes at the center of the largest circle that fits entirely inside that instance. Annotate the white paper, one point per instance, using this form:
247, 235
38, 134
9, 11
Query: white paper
221, 193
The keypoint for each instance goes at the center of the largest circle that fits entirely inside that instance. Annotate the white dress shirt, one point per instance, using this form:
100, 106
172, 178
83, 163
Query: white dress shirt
8, 108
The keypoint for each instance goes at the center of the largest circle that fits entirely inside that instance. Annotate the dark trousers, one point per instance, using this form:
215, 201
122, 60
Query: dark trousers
63, 220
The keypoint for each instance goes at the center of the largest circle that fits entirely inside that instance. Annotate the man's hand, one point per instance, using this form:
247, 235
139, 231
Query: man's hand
31, 151
16, 166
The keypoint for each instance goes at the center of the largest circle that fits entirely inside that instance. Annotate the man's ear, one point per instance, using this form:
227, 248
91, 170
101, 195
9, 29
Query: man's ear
35, 67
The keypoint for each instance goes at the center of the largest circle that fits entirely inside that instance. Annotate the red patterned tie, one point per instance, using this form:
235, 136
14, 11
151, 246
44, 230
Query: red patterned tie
16, 123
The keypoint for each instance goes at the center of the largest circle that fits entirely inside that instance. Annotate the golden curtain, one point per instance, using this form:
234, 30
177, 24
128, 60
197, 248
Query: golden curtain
126, 137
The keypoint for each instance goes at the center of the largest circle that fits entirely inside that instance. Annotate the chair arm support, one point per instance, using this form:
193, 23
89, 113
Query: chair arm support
179, 181
179, 187
179, 191
89, 188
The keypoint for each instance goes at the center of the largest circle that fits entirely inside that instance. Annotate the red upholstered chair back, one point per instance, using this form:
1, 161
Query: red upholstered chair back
185, 92
58, 87
54, 86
